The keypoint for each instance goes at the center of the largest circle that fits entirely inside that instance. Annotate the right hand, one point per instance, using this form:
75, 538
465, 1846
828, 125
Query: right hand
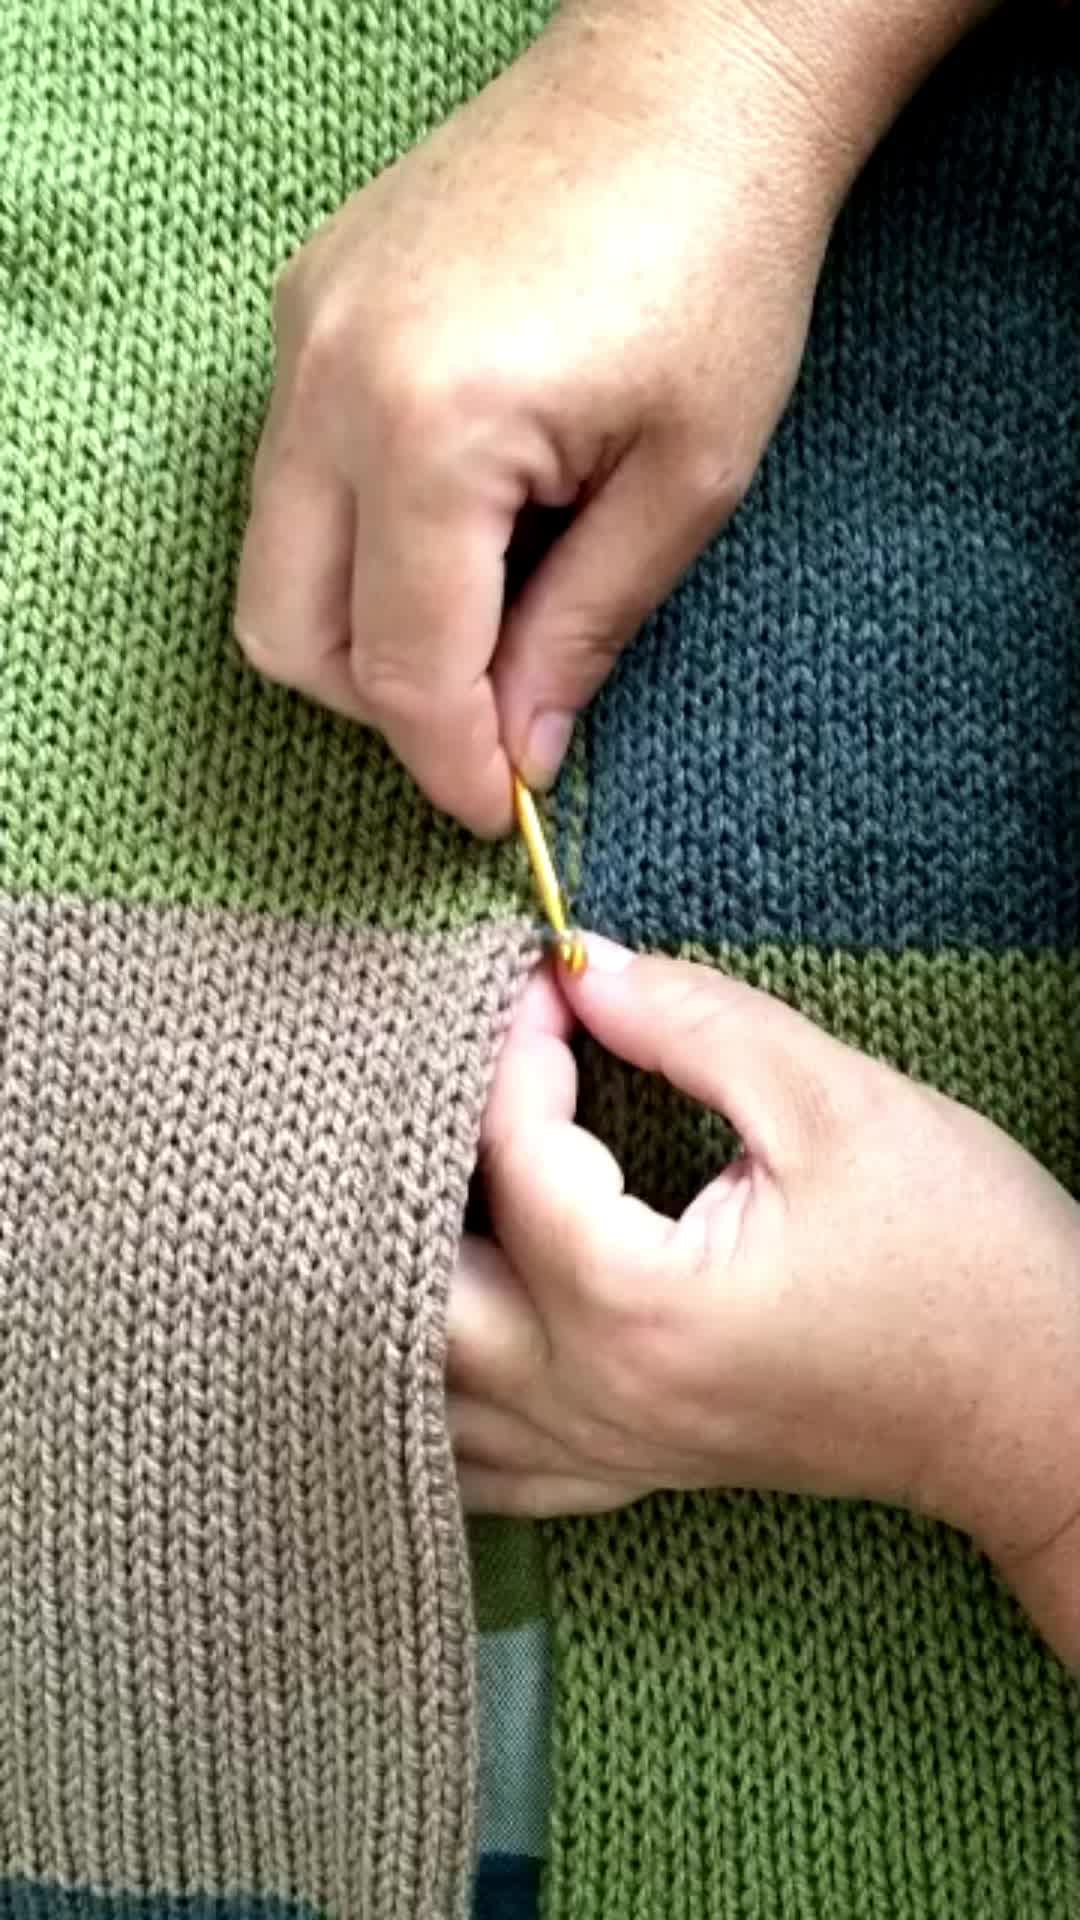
879, 1298
589, 289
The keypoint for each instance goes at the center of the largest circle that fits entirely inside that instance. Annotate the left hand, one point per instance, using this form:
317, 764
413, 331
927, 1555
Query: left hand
585, 291
879, 1298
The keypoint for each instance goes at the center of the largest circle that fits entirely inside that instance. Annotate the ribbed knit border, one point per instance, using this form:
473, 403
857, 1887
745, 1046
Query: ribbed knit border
235, 1652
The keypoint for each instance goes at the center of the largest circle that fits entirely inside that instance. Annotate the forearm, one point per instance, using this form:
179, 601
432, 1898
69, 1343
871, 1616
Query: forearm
859, 60
1012, 1474
1035, 1537
844, 67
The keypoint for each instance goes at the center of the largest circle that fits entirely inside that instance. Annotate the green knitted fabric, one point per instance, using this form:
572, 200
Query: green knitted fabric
250, 992
251, 989
160, 162
844, 763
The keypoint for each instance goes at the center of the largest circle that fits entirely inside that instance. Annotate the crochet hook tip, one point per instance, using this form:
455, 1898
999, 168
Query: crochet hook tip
569, 946
571, 953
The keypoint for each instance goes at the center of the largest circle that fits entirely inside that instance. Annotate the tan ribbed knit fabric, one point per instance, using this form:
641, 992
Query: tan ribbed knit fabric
234, 1633
251, 988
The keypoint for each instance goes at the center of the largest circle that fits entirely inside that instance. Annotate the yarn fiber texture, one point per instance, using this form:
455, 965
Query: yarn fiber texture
844, 764
250, 994
252, 989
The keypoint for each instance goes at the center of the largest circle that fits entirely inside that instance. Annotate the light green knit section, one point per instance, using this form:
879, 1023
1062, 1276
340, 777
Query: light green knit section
773, 1707
999, 1031
768, 1706
160, 162
930, 1014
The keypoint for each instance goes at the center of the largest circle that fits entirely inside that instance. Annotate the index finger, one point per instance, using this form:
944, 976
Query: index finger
426, 607
556, 1193
535, 1082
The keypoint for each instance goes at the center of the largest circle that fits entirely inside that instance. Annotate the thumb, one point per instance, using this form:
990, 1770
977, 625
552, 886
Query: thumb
777, 1078
620, 556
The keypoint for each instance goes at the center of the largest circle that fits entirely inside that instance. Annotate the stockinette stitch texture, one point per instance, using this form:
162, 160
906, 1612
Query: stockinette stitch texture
252, 989
250, 992
844, 763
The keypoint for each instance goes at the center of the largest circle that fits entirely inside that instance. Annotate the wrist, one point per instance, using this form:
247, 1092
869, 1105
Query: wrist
1011, 1474
832, 75
1046, 1581
859, 61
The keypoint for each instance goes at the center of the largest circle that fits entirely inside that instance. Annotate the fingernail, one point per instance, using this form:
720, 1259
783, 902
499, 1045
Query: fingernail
545, 749
605, 956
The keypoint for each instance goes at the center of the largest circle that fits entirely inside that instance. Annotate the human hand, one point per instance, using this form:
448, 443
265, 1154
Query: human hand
879, 1298
589, 289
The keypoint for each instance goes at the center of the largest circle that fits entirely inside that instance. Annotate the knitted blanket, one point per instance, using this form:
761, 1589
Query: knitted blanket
252, 990
844, 763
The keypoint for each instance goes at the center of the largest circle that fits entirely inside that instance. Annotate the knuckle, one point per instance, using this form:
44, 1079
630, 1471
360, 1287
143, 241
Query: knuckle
810, 1114
386, 686
522, 1358
287, 297
831, 1114
693, 1013
596, 638
317, 328
644, 1374
715, 479
275, 654
322, 344
508, 1167
630, 1373
414, 388
257, 650
815, 1119
532, 1499
862, 1103
619, 1294
597, 1281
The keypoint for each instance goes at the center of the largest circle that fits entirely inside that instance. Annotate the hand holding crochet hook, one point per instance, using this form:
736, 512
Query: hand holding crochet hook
590, 291
858, 1305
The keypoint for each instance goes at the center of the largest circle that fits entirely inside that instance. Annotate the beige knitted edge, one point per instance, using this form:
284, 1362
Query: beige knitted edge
235, 1648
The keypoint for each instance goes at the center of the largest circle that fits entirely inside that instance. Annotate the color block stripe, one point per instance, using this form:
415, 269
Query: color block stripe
507, 1888
855, 731
857, 724
138, 758
514, 1706
509, 1581
178, 841
235, 1646
777, 1707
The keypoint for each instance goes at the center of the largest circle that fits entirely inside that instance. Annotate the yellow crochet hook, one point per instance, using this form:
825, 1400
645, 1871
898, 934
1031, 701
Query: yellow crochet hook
569, 945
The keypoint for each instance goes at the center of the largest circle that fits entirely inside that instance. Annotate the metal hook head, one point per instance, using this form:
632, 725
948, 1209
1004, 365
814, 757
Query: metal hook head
570, 948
